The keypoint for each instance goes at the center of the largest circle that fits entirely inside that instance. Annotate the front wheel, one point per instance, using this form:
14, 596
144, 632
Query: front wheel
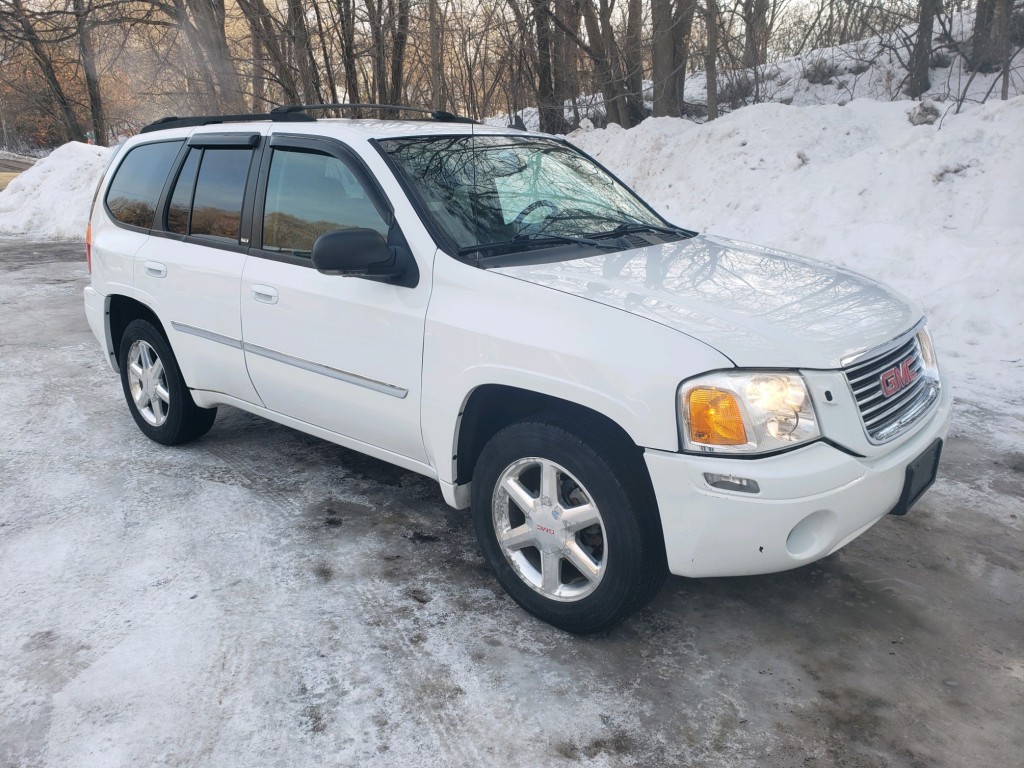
157, 395
567, 525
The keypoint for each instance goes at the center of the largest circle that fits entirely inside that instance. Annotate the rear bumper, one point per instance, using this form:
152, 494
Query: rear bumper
96, 314
812, 501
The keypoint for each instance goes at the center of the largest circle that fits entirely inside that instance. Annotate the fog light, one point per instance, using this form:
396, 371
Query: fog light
732, 483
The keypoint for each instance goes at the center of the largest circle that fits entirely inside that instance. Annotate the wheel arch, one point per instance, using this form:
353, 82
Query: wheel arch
489, 408
122, 310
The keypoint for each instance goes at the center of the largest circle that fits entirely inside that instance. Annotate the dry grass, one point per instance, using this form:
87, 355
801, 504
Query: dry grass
5, 179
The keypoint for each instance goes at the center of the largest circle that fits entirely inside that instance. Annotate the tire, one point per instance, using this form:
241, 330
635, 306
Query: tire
157, 395
591, 551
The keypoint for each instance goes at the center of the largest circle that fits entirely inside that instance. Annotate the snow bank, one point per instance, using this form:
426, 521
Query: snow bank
935, 212
51, 199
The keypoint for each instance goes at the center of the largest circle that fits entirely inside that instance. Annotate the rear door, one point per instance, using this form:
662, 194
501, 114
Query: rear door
340, 353
130, 202
191, 267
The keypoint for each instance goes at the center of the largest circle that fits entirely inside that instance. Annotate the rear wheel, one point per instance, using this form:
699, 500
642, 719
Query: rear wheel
568, 528
157, 395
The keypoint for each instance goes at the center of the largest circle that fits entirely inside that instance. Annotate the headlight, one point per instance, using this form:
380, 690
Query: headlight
746, 412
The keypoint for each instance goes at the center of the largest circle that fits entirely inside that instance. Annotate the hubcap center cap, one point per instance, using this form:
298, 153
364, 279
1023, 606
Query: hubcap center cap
546, 521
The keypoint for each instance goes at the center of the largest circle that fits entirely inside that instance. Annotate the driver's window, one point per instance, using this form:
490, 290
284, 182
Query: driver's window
308, 194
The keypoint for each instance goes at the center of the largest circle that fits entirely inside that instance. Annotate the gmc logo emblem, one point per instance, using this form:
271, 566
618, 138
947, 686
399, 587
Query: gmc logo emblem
897, 378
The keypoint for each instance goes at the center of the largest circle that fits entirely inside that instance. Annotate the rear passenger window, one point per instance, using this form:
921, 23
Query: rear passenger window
220, 187
133, 194
309, 194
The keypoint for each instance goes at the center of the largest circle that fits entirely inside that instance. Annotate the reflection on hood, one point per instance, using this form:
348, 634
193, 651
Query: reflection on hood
757, 306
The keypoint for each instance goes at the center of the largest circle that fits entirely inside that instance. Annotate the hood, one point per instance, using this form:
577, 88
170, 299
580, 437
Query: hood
758, 307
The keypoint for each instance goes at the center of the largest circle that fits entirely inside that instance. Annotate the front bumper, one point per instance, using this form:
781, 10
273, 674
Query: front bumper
812, 501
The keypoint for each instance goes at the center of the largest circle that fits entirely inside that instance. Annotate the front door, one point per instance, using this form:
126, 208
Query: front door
340, 353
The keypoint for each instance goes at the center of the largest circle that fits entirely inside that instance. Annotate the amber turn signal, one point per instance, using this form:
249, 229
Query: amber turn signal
715, 417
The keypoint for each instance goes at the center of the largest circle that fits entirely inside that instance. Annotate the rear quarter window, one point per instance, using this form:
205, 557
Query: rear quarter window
135, 190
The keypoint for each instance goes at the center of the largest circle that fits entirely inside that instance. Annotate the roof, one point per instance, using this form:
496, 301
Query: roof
346, 128
300, 113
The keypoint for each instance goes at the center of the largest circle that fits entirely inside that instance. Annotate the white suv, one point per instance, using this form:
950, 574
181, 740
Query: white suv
615, 397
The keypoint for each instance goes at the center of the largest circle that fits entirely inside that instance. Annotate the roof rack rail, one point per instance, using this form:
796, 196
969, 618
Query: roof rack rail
436, 114
191, 122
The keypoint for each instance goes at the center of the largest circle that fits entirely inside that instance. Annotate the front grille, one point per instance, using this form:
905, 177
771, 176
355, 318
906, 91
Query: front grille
887, 416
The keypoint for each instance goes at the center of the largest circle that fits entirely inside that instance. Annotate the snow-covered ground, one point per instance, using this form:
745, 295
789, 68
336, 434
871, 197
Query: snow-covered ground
263, 599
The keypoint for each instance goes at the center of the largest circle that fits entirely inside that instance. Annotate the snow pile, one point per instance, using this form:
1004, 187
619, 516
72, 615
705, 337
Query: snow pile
51, 199
932, 210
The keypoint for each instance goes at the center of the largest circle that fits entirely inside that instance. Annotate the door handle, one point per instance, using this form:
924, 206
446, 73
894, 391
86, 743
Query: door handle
156, 269
264, 294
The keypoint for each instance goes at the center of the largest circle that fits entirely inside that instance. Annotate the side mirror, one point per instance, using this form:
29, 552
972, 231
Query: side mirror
356, 252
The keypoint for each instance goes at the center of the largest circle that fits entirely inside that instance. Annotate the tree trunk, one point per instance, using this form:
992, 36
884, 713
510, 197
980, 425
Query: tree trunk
633, 62
671, 22
436, 55
755, 33
328, 68
921, 56
664, 60
347, 18
87, 52
552, 114
564, 51
984, 53
399, 41
376, 20
259, 64
711, 57
618, 105
1003, 46
302, 50
600, 57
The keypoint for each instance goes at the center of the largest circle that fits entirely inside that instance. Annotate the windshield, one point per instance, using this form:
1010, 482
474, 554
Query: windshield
504, 193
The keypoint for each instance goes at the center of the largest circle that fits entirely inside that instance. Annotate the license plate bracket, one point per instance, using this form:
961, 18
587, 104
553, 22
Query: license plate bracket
921, 473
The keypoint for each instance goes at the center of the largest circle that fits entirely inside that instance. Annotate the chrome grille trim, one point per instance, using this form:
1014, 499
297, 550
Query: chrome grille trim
885, 418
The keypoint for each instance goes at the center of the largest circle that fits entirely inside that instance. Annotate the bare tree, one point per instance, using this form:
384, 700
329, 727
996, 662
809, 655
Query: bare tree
17, 23
87, 51
984, 45
711, 56
672, 21
920, 58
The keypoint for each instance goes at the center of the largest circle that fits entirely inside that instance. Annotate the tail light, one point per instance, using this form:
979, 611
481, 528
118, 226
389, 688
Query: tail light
88, 247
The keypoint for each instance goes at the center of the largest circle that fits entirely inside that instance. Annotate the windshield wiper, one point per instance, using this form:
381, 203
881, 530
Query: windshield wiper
629, 227
522, 240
